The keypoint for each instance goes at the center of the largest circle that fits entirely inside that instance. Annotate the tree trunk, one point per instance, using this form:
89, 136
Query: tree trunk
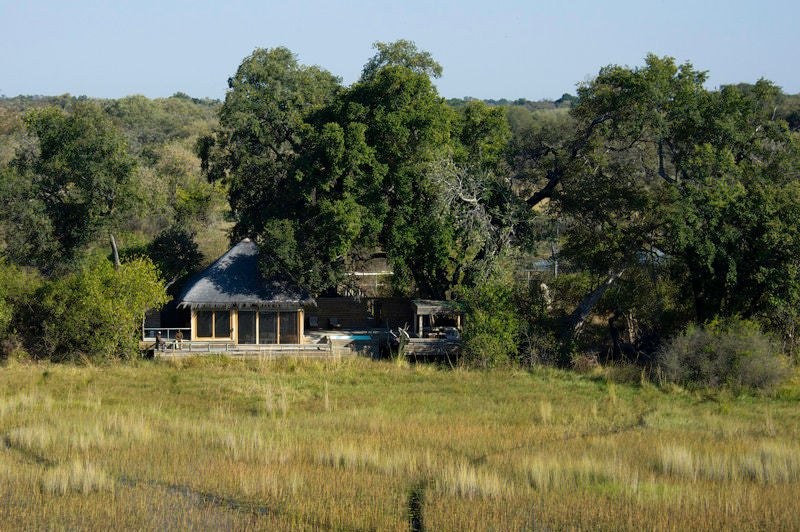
616, 349
114, 252
575, 321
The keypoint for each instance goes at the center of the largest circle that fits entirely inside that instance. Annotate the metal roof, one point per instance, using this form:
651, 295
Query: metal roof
235, 280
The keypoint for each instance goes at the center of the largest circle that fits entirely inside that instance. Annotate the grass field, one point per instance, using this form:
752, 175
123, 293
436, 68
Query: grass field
210, 443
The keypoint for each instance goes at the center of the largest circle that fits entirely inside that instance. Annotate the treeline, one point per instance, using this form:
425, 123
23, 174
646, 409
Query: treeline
642, 215
77, 174
670, 208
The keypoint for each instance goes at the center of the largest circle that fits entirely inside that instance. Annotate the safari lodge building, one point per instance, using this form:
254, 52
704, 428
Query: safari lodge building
232, 302
233, 308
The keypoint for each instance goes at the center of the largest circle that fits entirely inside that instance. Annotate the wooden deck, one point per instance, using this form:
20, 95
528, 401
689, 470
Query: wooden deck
324, 348
321, 344
431, 348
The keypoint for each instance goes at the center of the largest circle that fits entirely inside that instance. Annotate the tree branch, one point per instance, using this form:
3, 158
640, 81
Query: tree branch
555, 175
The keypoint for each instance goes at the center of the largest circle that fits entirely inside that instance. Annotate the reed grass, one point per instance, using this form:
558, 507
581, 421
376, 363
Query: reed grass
210, 443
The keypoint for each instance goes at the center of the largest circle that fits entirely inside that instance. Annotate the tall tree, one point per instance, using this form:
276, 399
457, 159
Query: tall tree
262, 130
404, 54
76, 179
407, 124
660, 169
334, 175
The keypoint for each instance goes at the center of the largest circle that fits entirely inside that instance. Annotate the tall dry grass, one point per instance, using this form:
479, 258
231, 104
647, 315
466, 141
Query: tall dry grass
211, 443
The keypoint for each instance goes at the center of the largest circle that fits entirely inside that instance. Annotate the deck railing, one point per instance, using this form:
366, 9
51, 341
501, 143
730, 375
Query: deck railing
171, 348
149, 333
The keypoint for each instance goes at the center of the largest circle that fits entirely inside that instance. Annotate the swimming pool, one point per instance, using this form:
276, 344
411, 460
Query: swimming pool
359, 337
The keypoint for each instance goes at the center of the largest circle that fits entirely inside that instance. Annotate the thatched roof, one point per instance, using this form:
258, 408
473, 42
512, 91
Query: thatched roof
235, 280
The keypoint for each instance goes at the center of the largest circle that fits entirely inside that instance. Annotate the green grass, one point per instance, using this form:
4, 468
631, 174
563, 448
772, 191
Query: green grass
211, 443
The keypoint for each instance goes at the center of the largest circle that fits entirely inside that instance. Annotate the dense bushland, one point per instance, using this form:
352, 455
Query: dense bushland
94, 314
76, 175
596, 228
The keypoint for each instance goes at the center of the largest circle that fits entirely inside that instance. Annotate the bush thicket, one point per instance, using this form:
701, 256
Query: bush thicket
733, 352
492, 325
17, 284
95, 313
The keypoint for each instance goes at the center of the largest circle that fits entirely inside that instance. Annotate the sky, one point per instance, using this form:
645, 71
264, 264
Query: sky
489, 49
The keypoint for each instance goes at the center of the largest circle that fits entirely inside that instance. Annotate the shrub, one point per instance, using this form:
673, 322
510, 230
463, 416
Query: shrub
733, 352
95, 314
492, 325
540, 346
17, 285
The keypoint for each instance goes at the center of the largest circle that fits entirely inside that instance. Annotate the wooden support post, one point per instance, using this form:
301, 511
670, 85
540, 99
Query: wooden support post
300, 324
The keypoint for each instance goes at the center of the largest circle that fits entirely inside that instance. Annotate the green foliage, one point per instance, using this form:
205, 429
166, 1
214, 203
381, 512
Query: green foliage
438, 190
538, 344
11, 134
483, 134
81, 169
730, 352
736, 229
26, 229
659, 168
192, 201
149, 124
173, 191
258, 151
407, 125
166, 187
175, 254
324, 176
95, 313
401, 53
538, 145
17, 285
77, 181
173, 251
492, 324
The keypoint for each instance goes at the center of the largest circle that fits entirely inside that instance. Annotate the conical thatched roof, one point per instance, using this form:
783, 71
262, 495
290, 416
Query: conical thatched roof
235, 280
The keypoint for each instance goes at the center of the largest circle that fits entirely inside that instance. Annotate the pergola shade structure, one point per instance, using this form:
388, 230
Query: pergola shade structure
232, 301
428, 312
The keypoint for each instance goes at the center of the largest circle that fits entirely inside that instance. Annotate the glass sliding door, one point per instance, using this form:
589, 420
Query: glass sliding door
211, 324
288, 322
247, 327
267, 327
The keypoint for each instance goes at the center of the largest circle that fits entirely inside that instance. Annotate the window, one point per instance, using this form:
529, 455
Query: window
222, 324
205, 323
213, 324
262, 327
277, 328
